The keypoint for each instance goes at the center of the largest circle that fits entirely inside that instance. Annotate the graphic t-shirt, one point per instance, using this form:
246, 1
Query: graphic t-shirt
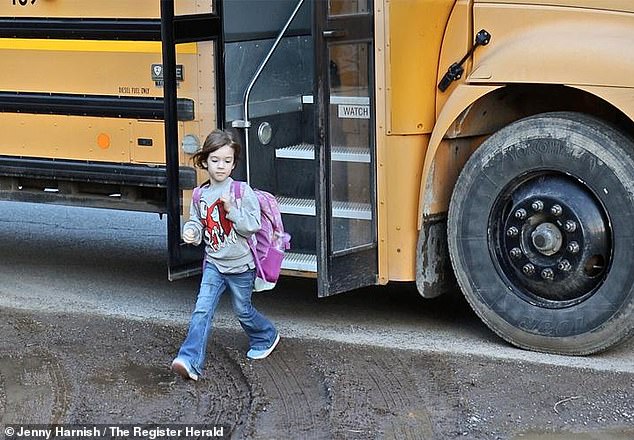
218, 230
225, 234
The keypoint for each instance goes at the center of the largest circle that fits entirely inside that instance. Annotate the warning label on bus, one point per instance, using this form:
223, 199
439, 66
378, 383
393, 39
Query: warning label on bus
351, 111
157, 74
128, 90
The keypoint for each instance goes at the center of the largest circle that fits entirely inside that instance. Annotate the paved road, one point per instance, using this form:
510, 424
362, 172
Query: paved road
113, 262
89, 324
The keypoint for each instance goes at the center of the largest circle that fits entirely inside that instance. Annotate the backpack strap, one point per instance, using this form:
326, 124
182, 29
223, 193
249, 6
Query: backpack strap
236, 186
197, 192
196, 195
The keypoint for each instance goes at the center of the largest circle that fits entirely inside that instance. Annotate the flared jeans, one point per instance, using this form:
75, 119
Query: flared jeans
259, 329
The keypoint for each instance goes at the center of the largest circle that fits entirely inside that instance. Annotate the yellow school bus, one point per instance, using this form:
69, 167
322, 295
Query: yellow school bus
480, 144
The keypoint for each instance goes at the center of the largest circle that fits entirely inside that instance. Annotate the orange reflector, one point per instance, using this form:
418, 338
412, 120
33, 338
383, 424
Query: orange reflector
103, 140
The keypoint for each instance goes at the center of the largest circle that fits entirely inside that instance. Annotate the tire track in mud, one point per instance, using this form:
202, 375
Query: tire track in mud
290, 400
397, 388
437, 378
34, 389
225, 392
121, 376
148, 389
372, 396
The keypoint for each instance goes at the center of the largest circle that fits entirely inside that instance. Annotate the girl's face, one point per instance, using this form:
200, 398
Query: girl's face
220, 163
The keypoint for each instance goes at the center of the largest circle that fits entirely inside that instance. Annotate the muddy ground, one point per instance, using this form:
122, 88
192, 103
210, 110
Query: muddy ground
84, 369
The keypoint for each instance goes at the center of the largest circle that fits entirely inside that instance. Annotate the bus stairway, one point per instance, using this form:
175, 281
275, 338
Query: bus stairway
295, 172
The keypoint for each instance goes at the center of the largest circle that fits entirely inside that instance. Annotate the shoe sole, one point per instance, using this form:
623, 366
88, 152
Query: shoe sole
181, 370
269, 351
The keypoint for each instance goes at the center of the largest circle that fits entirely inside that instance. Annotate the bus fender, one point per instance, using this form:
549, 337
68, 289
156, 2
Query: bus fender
461, 98
433, 268
434, 275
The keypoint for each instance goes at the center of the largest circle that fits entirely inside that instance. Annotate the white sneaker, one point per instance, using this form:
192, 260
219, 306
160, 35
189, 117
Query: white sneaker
179, 367
261, 354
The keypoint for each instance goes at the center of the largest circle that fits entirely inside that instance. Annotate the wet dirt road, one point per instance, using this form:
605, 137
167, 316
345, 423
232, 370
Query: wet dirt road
81, 369
89, 325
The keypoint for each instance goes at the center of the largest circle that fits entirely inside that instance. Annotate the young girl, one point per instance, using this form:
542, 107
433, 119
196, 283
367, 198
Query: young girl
224, 223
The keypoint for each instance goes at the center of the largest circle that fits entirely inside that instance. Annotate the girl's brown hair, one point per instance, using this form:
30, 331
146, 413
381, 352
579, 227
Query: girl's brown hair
214, 141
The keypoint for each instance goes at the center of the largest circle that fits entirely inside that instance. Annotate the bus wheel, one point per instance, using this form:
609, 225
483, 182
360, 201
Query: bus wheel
541, 233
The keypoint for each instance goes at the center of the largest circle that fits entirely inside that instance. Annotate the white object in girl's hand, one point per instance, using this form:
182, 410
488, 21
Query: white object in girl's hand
190, 235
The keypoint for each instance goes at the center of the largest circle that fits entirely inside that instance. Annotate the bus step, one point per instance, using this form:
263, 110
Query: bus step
300, 262
351, 210
338, 153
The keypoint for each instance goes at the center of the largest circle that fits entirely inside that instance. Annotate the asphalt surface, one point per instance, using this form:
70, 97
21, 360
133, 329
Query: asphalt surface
375, 363
114, 263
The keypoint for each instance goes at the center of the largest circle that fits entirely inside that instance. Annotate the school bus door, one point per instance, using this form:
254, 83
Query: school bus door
344, 145
183, 260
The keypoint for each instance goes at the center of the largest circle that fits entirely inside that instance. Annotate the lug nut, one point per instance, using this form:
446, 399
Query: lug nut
548, 274
556, 210
570, 226
564, 266
520, 214
516, 253
528, 269
537, 205
512, 231
573, 247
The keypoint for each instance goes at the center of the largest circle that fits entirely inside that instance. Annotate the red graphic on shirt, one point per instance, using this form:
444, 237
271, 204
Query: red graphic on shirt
219, 230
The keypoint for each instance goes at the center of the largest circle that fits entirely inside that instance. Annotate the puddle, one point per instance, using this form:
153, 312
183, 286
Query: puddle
148, 377
34, 389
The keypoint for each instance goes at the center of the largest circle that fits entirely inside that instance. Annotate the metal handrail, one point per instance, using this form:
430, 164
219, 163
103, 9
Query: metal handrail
245, 123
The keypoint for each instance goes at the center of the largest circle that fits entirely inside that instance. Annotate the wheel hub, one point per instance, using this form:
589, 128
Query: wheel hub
547, 238
553, 239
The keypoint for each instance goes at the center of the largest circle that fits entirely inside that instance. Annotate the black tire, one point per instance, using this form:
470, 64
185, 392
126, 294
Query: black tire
535, 278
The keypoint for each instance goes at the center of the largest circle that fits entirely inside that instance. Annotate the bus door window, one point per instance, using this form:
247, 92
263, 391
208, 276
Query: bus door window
350, 141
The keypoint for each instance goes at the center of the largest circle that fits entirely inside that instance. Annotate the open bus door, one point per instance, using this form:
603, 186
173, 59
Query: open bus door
184, 260
309, 102
345, 145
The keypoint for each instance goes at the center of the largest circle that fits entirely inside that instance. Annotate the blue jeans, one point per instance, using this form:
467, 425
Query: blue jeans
260, 330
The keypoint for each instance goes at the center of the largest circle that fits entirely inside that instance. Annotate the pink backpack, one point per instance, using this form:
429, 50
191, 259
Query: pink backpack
269, 243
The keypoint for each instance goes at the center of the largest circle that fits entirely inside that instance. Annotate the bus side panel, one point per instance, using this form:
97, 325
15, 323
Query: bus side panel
416, 33
93, 70
413, 45
88, 67
65, 137
99, 9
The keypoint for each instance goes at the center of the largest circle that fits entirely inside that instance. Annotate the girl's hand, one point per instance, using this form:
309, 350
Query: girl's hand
190, 235
228, 200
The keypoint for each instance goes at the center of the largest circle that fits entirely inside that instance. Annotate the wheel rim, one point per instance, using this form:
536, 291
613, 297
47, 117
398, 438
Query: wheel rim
551, 238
